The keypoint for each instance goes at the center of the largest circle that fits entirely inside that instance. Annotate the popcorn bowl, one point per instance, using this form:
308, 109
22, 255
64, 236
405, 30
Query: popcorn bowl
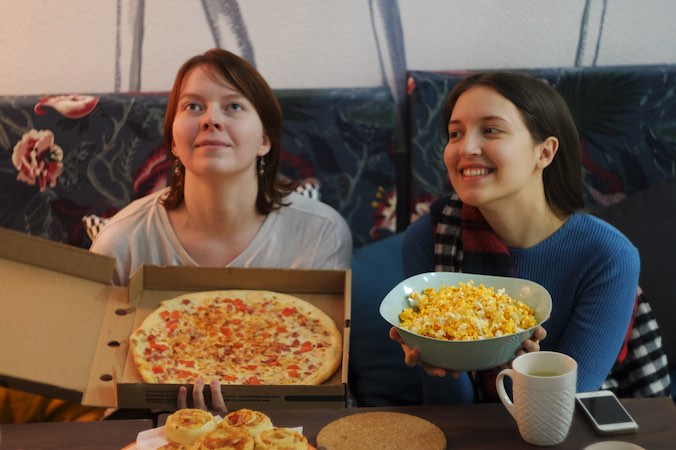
466, 355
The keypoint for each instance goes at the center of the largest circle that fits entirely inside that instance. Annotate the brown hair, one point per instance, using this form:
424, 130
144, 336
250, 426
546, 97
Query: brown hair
243, 77
545, 114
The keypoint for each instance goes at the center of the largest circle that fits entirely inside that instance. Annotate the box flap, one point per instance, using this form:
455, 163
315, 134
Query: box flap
52, 301
55, 256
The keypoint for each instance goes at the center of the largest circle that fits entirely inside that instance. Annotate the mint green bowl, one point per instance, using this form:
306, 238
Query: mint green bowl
466, 355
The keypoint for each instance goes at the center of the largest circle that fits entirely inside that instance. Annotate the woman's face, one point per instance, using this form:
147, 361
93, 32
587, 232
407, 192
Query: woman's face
490, 155
216, 130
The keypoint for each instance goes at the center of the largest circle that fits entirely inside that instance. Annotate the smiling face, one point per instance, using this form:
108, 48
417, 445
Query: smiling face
490, 155
216, 130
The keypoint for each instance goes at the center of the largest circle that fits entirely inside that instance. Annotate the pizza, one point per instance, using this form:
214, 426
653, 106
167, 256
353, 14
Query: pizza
252, 421
187, 425
238, 337
281, 438
244, 429
226, 438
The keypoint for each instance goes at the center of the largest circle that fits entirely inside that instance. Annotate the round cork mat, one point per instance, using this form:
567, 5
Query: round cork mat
381, 430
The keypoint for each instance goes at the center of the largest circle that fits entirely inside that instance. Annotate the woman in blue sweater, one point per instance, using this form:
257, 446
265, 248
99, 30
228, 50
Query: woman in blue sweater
513, 157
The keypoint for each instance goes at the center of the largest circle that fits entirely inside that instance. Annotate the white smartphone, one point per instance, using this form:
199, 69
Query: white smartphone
606, 413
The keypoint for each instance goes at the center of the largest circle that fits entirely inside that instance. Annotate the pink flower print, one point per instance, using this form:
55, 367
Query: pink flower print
410, 85
71, 106
154, 174
38, 159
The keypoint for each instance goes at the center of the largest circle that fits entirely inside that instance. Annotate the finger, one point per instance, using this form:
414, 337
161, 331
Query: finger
411, 356
217, 402
394, 335
540, 334
182, 397
531, 346
434, 371
198, 395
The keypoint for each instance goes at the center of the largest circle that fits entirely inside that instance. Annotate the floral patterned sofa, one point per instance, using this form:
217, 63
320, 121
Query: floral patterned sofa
66, 157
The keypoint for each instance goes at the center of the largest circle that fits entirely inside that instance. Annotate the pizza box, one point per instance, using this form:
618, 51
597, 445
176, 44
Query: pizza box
65, 328
53, 298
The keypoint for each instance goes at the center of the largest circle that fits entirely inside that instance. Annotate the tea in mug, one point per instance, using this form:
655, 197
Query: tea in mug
544, 373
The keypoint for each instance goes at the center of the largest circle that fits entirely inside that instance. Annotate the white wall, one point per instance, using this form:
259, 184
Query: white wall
62, 46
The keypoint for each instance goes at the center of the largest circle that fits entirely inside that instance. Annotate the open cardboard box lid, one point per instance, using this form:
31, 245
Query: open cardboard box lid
52, 302
65, 328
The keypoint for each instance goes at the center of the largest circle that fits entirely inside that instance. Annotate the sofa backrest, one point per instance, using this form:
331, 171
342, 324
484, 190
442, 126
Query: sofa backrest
338, 141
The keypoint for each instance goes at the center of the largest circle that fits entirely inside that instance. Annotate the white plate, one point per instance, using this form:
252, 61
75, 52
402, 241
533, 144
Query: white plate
613, 445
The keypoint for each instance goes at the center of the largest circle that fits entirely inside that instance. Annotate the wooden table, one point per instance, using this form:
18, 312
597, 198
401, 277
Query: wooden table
489, 426
100, 435
481, 426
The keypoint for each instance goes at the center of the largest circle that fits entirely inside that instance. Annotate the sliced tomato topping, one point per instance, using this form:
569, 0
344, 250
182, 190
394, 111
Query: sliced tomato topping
157, 369
229, 377
294, 374
289, 311
252, 380
293, 366
306, 346
239, 305
158, 347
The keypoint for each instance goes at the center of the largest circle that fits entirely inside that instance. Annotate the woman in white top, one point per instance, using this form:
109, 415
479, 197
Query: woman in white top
226, 206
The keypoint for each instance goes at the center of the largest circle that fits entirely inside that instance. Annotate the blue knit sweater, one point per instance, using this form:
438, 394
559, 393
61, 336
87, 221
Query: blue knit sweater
591, 271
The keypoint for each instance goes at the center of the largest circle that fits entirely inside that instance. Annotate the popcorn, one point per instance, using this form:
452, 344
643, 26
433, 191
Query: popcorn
466, 313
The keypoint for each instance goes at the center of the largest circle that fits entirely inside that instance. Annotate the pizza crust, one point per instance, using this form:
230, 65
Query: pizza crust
239, 337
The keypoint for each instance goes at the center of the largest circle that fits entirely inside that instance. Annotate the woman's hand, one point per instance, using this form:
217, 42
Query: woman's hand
217, 402
412, 358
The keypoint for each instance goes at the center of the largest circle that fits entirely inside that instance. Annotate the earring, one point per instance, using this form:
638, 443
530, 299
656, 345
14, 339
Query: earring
178, 167
261, 166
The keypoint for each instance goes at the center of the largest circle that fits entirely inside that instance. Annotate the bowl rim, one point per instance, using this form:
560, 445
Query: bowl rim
468, 276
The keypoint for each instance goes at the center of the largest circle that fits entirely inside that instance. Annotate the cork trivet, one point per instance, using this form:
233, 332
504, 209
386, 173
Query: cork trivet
381, 430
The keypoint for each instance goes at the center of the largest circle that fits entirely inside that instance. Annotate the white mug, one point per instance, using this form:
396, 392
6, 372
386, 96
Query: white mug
544, 386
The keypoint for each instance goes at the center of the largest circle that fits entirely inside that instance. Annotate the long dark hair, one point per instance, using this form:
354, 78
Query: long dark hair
545, 114
243, 77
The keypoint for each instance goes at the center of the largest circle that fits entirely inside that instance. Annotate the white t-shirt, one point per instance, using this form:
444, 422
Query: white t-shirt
306, 234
